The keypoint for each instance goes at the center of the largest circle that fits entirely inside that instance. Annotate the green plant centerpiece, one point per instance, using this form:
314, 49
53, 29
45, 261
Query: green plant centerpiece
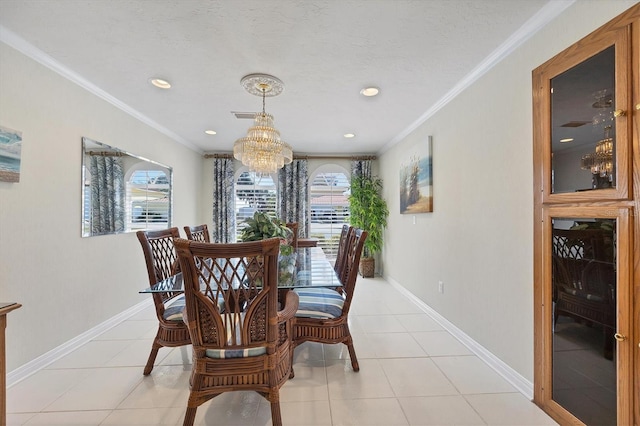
369, 212
263, 226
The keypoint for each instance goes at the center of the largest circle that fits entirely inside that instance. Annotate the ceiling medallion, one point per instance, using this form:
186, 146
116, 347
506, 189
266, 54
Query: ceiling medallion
262, 84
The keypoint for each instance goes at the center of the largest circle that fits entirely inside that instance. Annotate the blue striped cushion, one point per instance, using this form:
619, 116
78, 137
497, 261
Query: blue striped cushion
319, 302
228, 319
235, 353
173, 312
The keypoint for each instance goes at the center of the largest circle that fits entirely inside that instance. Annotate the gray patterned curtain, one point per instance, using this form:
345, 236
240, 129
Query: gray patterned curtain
107, 194
224, 223
361, 168
293, 190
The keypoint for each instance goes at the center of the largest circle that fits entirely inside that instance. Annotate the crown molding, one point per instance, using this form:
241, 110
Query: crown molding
548, 13
11, 39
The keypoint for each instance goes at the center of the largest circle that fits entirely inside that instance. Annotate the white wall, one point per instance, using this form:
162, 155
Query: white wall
479, 240
68, 284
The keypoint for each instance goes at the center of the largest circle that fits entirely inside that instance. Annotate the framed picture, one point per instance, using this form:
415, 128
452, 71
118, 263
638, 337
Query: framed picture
416, 181
10, 150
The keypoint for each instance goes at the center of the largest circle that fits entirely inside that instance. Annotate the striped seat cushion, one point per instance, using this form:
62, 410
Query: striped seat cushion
319, 302
173, 312
230, 320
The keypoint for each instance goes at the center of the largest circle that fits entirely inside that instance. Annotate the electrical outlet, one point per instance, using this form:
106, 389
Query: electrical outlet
440, 287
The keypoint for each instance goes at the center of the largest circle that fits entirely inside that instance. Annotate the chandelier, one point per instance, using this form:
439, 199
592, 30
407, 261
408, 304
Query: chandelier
262, 150
600, 162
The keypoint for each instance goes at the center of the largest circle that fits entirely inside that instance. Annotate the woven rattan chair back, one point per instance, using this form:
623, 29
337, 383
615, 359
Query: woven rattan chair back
240, 341
584, 279
353, 252
342, 244
162, 262
198, 233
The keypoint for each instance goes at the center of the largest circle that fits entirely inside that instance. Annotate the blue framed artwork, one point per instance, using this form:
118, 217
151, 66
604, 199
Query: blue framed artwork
10, 154
416, 181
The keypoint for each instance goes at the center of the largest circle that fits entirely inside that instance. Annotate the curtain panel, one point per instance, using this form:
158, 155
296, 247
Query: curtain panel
293, 184
361, 168
107, 195
224, 220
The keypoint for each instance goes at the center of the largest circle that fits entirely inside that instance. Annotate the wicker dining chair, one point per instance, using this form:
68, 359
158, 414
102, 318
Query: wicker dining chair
322, 314
241, 342
198, 233
162, 262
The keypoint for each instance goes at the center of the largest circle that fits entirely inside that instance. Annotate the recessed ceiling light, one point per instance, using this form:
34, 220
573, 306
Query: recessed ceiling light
158, 82
349, 135
210, 132
566, 140
370, 91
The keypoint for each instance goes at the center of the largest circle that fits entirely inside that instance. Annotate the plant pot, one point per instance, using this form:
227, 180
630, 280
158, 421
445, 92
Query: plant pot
367, 267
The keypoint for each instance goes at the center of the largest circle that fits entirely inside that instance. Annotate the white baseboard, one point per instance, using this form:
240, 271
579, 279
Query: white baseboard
55, 354
523, 385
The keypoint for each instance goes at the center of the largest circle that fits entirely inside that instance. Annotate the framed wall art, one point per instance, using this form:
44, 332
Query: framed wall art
10, 154
416, 181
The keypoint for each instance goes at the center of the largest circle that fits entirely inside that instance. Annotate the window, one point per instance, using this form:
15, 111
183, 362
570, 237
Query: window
253, 192
147, 200
329, 206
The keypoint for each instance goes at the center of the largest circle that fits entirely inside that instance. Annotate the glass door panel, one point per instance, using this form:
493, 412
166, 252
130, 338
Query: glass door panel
583, 128
584, 294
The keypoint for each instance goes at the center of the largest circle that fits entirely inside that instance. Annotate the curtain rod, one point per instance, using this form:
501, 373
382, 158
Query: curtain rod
334, 157
218, 155
106, 153
307, 157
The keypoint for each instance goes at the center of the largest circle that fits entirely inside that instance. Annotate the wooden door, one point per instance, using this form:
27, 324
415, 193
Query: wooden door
587, 228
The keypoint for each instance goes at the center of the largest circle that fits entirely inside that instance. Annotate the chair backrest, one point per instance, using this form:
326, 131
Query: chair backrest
355, 244
198, 233
342, 244
231, 295
161, 260
583, 264
294, 229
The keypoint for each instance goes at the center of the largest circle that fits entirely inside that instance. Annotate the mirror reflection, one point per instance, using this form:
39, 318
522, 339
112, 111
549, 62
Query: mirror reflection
122, 192
583, 126
584, 318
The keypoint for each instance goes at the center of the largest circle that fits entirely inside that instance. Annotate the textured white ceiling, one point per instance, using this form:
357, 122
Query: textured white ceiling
324, 51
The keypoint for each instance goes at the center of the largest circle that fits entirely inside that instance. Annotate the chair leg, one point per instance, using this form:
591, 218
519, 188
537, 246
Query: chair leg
291, 373
352, 354
152, 359
189, 416
276, 418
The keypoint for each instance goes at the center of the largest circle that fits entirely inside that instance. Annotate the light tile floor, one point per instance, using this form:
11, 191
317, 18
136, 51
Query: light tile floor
412, 372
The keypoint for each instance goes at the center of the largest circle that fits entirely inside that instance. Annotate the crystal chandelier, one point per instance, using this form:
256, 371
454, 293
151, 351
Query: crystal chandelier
262, 150
600, 162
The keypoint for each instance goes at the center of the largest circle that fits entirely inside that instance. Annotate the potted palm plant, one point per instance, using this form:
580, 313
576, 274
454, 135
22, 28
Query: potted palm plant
369, 212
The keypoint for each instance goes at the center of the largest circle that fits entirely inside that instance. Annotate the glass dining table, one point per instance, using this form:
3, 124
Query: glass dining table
307, 267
